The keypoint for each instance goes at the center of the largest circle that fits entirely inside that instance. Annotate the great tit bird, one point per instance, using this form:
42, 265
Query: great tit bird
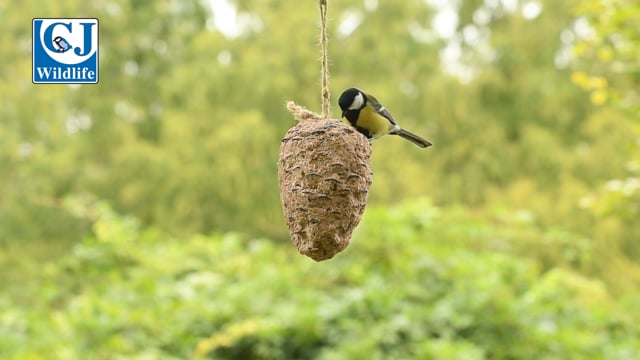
369, 117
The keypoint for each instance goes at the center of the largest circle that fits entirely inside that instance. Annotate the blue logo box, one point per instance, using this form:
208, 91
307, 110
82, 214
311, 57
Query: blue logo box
65, 51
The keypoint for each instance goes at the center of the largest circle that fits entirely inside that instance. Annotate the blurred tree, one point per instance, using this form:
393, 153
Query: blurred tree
606, 48
183, 129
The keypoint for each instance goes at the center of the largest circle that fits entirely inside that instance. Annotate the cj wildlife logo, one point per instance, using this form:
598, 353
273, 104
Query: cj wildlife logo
65, 51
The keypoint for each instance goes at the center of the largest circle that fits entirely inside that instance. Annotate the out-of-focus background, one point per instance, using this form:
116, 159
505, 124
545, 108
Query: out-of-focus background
140, 217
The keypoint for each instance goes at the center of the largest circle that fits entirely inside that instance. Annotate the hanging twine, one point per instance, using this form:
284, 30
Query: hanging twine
324, 60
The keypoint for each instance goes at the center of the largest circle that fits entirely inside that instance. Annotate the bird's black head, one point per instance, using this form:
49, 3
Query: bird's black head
352, 99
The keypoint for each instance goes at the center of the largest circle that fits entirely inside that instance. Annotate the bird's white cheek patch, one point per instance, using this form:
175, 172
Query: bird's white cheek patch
357, 103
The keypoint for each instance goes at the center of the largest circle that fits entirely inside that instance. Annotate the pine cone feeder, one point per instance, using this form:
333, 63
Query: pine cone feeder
325, 174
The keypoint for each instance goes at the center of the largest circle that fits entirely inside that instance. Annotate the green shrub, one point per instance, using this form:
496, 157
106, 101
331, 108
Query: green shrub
133, 293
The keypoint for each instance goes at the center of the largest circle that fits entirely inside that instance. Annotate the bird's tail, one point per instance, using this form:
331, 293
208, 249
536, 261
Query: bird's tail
412, 137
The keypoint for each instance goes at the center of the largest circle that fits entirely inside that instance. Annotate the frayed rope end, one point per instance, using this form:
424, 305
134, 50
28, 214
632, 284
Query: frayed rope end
301, 114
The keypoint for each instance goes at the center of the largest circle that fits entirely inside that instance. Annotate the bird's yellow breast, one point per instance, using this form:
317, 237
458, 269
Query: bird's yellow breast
376, 124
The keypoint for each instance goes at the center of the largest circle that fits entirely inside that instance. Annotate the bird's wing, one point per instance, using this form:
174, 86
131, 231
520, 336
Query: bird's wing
381, 109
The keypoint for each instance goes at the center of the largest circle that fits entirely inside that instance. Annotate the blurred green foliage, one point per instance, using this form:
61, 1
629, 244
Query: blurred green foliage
404, 289
183, 129
609, 68
527, 248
